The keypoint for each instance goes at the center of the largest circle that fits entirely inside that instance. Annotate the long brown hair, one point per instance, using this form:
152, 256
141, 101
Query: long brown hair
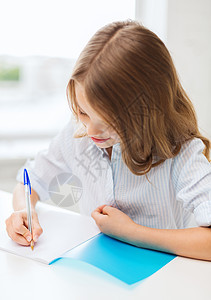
130, 80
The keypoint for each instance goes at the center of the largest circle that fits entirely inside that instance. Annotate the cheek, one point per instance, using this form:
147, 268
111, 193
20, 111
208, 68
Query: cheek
82, 119
113, 134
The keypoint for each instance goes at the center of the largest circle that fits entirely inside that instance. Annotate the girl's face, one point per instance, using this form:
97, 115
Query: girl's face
101, 133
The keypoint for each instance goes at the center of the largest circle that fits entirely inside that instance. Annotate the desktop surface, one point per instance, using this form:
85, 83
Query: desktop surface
22, 278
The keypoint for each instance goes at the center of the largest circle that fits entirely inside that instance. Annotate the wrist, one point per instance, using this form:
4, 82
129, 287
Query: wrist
19, 201
135, 232
141, 236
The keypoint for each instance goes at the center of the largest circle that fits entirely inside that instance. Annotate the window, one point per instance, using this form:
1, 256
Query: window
40, 41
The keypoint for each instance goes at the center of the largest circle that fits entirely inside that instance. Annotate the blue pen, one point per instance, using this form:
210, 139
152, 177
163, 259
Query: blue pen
27, 186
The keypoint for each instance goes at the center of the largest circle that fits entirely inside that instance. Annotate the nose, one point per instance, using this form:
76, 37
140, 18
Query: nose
93, 130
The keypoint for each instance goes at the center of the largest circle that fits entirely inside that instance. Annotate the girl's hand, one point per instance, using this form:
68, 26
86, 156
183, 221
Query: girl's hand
114, 222
17, 227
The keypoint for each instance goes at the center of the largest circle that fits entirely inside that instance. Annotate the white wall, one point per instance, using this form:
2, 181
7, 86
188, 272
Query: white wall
185, 27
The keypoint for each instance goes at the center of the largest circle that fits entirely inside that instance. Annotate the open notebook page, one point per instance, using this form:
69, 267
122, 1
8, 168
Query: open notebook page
62, 231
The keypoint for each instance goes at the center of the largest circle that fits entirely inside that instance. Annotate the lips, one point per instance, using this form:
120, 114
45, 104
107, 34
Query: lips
99, 140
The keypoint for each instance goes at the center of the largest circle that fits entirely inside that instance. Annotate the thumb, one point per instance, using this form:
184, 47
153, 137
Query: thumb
36, 228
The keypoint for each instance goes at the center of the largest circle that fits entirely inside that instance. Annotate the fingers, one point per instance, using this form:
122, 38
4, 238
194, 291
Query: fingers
100, 208
36, 228
19, 239
97, 212
16, 226
107, 209
100, 212
16, 229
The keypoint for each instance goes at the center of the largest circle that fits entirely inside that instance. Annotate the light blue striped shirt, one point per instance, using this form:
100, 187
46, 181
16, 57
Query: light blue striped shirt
175, 191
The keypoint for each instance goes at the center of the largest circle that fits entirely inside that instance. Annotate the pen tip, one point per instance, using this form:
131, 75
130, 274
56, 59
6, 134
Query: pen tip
32, 245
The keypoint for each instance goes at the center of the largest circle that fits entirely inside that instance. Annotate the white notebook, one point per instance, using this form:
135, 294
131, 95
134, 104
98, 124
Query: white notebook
62, 230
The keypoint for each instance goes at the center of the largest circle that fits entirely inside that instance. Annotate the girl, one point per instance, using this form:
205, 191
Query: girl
142, 162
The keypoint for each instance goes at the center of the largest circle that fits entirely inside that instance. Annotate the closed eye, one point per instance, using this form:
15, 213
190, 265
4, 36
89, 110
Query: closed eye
81, 113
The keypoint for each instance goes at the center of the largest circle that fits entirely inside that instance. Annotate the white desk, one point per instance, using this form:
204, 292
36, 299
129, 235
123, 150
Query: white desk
181, 279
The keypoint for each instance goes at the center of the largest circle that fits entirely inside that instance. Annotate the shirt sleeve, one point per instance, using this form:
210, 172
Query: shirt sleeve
191, 176
50, 162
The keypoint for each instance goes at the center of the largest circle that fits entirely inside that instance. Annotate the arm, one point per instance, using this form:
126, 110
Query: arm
190, 242
50, 162
191, 178
47, 164
19, 201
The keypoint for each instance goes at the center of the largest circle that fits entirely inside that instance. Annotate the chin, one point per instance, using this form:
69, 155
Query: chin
106, 144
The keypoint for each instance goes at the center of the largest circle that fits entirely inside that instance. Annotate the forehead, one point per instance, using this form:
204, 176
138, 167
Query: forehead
80, 95
81, 99
84, 105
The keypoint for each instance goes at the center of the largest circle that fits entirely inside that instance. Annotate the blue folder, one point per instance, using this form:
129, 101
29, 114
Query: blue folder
128, 263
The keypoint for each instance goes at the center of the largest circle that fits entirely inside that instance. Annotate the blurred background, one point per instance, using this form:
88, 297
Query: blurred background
40, 42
